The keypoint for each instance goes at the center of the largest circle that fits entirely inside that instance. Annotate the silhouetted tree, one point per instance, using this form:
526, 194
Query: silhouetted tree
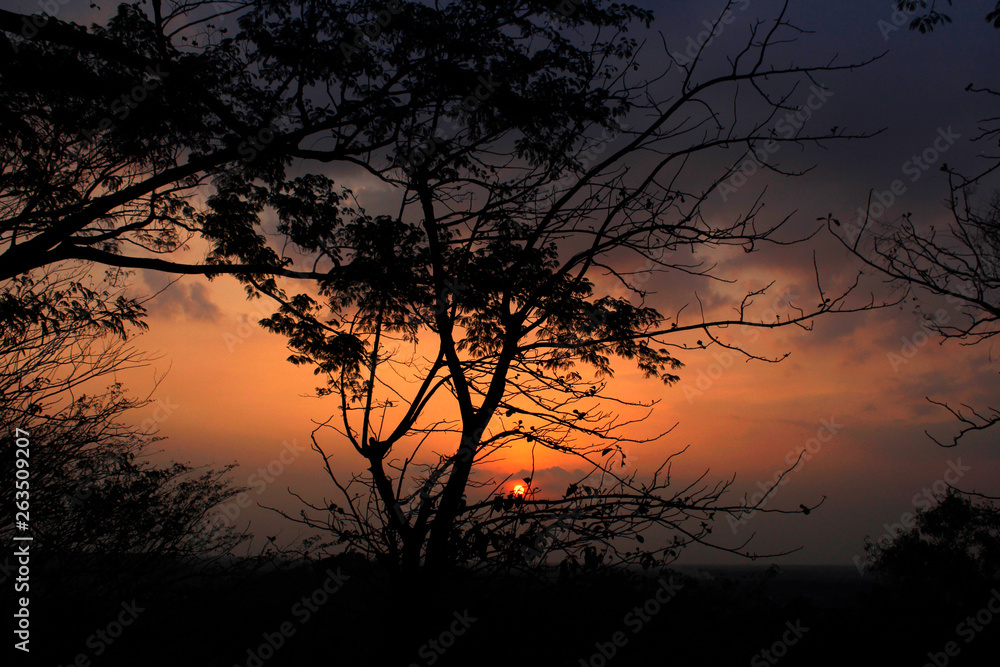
108, 133
527, 166
960, 262
955, 541
527, 157
98, 505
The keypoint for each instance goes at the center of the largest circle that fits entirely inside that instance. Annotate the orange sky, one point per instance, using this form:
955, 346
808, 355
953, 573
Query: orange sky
232, 395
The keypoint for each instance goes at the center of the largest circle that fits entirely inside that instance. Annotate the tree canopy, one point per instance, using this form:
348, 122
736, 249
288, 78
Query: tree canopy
531, 158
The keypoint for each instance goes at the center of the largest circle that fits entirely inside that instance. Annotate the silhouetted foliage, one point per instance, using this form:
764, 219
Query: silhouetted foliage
478, 317
533, 160
957, 540
928, 16
103, 163
98, 505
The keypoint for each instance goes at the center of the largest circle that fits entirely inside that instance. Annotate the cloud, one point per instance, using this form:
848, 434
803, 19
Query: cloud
173, 298
550, 481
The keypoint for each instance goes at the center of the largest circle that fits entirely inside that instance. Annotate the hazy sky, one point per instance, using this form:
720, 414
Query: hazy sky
230, 395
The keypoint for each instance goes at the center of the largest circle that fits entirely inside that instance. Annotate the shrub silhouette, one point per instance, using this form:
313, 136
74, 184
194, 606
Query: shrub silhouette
955, 542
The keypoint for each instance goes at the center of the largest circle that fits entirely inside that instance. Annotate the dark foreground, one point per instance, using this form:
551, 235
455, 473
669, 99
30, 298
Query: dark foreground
343, 613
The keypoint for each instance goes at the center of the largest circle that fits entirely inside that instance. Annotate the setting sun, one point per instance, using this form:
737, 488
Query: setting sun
662, 265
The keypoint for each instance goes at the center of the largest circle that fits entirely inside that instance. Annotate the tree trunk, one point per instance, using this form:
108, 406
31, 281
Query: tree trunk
440, 549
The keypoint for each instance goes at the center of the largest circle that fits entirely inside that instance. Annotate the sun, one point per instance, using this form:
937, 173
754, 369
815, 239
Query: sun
519, 490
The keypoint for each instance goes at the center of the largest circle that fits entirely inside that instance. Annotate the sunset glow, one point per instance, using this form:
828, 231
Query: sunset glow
380, 333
